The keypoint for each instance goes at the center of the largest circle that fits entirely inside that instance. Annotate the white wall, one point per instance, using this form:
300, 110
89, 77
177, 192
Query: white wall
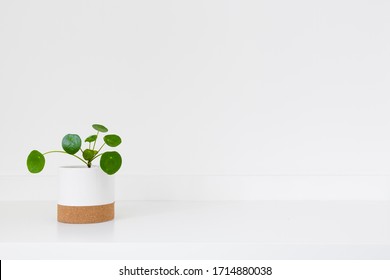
200, 87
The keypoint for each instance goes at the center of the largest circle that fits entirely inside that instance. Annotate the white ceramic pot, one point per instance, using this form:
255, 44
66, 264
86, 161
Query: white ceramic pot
85, 195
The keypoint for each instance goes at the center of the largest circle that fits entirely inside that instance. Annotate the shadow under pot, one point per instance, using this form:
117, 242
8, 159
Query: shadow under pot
85, 195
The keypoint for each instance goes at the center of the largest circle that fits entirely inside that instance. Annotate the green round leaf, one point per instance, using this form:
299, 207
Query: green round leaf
71, 143
91, 138
100, 128
112, 140
89, 154
110, 162
35, 162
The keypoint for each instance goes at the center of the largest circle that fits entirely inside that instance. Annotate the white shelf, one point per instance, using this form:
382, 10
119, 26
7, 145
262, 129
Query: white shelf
202, 230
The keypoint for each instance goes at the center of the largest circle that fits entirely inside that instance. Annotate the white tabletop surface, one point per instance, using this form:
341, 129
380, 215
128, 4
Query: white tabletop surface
202, 230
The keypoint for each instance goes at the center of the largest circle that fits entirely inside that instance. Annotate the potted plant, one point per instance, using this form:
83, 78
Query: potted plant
86, 192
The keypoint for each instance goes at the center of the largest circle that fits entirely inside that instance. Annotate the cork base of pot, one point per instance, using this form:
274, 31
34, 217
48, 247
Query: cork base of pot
85, 214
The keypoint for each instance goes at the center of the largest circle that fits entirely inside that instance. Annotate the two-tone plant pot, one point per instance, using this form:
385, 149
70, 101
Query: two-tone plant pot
86, 195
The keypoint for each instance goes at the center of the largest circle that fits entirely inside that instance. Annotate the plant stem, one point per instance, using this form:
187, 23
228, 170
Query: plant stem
98, 152
101, 148
96, 157
94, 143
63, 152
